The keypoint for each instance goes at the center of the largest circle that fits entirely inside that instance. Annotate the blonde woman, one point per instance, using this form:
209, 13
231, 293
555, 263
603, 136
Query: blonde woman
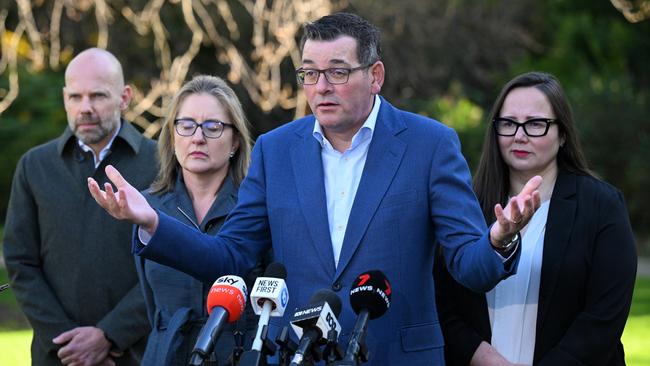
204, 150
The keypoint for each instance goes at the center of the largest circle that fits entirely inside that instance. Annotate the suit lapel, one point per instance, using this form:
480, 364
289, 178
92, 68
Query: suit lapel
384, 157
558, 231
308, 171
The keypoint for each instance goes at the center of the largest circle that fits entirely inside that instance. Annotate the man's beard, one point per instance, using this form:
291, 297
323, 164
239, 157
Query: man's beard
102, 128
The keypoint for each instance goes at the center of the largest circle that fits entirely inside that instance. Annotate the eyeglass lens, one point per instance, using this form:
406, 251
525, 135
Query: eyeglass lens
333, 75
210, 129
534, 127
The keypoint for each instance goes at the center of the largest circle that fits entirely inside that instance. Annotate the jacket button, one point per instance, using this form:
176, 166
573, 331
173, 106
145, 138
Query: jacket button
337, 286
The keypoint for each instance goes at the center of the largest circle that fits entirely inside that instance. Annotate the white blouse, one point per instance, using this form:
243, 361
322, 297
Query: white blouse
512, 304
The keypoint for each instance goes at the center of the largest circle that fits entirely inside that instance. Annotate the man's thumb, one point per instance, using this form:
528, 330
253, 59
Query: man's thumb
64, 337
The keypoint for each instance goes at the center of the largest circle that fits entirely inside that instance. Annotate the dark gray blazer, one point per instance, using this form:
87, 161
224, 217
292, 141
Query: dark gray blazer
588, 274
69, 262
176, 302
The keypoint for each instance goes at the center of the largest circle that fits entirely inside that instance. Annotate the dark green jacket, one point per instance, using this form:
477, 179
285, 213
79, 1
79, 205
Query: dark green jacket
69, 262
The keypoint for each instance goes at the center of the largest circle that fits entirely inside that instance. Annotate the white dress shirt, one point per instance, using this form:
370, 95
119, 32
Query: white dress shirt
104, 151
342, 172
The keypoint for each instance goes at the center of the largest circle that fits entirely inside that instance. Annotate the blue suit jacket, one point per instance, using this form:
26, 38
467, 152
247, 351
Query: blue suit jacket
415, 191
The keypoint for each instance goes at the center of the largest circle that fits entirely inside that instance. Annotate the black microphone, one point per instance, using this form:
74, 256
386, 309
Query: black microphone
313, 322
269, 297
370, 299
226, 303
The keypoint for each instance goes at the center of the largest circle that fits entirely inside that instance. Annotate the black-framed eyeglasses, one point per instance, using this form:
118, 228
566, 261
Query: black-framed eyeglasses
211, 129
534, 127
334, 75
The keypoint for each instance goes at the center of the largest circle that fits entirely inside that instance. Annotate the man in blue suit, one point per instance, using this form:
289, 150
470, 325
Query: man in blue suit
359, 185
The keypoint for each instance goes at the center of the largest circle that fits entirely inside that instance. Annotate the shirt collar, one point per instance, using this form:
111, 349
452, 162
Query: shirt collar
127, 133
366, 129
104, 151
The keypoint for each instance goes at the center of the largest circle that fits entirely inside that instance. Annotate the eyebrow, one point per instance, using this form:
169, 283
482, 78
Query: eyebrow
527, 117
92, 92
335, 61
212, 119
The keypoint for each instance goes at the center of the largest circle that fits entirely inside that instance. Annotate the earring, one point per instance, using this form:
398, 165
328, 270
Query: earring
232, 153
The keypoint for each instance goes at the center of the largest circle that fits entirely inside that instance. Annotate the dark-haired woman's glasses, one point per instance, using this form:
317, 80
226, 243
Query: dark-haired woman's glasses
535, 127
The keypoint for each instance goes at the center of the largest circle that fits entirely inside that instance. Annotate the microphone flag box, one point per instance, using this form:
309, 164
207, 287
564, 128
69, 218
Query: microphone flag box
319, 315
228, 292
273, 289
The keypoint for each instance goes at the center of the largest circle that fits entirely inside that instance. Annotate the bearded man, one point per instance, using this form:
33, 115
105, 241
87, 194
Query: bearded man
70, 263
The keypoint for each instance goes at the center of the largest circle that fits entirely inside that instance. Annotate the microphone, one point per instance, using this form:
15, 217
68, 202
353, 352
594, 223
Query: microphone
269, 297
370, 299
4, 287
226, 303
313, 322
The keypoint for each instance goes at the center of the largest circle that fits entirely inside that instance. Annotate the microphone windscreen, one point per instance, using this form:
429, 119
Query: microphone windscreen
276, 270
371, 291
328, 296
228, 292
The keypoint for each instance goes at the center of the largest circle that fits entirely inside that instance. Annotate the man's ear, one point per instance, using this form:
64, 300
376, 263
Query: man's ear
377, 74
127, 95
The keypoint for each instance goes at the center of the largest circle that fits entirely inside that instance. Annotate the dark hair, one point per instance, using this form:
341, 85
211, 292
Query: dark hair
335, 25
492, 178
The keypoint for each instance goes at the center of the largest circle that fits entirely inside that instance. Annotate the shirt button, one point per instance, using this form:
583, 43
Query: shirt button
337, 286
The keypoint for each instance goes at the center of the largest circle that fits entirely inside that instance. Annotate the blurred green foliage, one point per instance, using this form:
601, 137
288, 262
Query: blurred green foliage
460, 113
36, 116
602, 62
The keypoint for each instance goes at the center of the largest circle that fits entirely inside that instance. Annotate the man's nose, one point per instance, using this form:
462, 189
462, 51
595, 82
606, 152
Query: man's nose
322, 84
86, 105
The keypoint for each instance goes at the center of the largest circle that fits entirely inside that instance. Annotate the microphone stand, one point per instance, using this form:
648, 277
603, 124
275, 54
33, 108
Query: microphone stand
332, 351
238, 350
310, 354
357, 352
258, 358
287, 346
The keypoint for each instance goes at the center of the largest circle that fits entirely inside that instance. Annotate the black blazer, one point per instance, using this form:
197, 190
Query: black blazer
587, 280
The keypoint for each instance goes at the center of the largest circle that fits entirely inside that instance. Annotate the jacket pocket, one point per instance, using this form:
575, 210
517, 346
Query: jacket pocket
399, 199
421, 337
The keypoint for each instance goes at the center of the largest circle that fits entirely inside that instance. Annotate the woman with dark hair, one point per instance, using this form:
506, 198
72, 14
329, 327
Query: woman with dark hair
569, 300
204, 150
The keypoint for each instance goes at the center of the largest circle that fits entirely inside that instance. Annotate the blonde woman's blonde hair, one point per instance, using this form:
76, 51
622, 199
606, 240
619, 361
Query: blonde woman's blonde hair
218, 88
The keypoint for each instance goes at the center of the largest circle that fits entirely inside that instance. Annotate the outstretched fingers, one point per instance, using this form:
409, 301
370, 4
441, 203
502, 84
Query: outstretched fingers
114, 204
96, 192
508, 222
530, 187
115, 177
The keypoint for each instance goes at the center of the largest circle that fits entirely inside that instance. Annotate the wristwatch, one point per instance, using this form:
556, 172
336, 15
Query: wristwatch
510, 243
